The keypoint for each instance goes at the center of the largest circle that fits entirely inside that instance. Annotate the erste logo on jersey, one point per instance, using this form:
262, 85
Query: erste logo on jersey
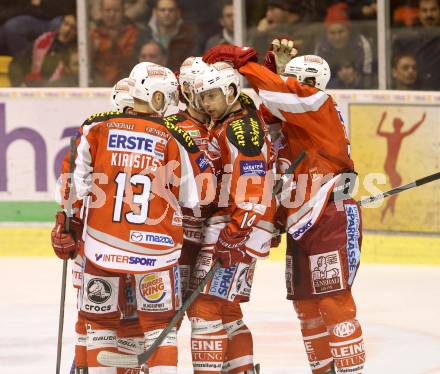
252, 168
152, 288
136, 142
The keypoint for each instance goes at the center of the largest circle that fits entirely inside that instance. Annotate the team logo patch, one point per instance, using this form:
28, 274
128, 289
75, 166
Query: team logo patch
98, 290
252, 168
203, 162
152, 288
326, 272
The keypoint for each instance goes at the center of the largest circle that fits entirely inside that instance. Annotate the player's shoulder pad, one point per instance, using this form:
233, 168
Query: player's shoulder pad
101, 117
246, 134
171, 123
246, 101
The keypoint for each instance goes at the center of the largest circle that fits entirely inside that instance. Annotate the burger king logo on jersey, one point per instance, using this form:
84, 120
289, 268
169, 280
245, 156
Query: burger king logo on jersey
152, 288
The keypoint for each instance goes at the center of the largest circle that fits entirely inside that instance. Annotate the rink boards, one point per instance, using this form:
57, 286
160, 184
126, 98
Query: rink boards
33, 239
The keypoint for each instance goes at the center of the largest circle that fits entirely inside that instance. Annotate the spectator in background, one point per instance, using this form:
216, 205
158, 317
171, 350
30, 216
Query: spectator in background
283, 17
404, 12
346, 76
169, 29
404, 72
226, 36
44, 63
113, 44
22, 21
361, 10
152, 51
423, 41
135, 10
342, 42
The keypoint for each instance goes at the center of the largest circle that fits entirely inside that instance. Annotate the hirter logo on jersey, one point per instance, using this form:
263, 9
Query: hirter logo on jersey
252, 168
135, 142
98, 290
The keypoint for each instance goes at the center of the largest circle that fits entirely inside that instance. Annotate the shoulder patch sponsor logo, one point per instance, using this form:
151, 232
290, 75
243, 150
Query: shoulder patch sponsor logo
326, 272
147, 237
135, 142
252, 168
98, 290
152, 288
203, 162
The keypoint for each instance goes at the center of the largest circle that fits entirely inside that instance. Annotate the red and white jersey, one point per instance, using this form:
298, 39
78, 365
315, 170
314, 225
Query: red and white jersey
240, 149
311, 123
193, 219
134, 171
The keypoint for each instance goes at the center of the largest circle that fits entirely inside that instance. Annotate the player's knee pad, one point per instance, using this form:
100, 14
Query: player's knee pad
164, 358
315, 335
131, 345
235, 327
337, 308
208, 345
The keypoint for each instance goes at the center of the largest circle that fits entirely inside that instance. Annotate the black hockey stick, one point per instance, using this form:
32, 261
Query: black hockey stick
131, 361
64, 274
279, 184
416, 183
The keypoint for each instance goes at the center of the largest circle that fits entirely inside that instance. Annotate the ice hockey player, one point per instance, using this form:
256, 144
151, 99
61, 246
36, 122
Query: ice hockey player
194, 121
324, 234
62, 242
239, 148
121, 164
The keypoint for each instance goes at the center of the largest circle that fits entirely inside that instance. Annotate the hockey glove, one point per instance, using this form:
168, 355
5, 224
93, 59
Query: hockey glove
230, 247
283, 51
65, 245
237, 56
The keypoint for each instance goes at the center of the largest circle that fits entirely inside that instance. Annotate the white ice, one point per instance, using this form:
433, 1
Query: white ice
398, 307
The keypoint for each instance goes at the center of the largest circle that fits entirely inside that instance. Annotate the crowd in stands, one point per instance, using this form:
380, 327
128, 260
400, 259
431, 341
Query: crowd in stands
40, 37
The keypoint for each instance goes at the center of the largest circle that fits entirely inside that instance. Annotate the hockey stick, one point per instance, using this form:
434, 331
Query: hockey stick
279, 185
416, 183
131, 361
64, 274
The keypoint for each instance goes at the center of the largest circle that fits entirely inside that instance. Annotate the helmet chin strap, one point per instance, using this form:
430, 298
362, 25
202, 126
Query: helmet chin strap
229, 105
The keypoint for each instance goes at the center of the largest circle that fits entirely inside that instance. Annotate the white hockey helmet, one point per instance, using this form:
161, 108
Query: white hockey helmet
219, 75
146, 78
309, 66
190, 69
120, 97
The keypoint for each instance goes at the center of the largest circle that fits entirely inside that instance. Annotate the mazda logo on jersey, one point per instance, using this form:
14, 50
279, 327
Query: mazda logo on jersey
98, 290
136, 236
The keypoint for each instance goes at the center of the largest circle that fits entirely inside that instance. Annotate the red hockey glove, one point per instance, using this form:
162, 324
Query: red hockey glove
229, 247
237, 56
65, 245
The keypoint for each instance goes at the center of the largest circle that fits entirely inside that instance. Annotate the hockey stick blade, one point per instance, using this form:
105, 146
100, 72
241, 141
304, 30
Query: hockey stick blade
120, 360
416, 183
